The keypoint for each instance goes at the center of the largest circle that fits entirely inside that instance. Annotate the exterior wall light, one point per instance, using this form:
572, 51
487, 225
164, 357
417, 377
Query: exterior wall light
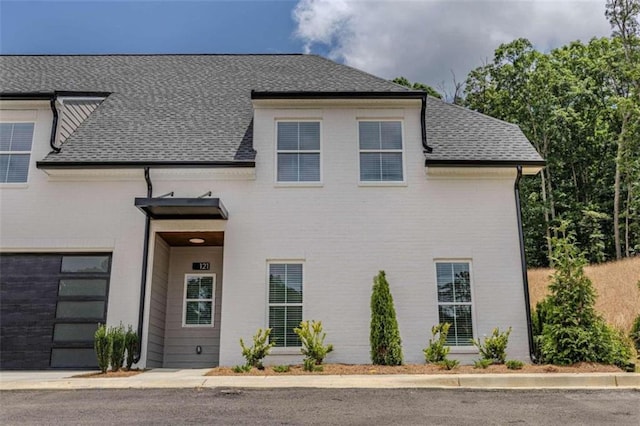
196, 240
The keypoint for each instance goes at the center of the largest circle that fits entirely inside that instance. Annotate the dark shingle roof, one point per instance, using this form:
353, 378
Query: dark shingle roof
460, 134
198, 107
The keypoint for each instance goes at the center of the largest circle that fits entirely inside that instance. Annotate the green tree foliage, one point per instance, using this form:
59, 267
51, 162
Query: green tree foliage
386, 346
572, 330
579, 107
417, 86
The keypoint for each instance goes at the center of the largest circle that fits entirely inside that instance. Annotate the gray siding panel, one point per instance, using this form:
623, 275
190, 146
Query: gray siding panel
157, 306
180, 342
73, 114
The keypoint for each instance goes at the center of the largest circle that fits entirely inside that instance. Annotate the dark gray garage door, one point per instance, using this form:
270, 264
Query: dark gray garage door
50, 307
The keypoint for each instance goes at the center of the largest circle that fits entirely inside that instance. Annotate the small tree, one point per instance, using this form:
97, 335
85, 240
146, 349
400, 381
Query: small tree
102, 347
132, 345
116, 336
573, 331
259, 350
386, 346
313, 347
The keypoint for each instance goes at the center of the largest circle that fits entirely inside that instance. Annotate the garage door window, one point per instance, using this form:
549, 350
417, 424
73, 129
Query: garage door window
81, 306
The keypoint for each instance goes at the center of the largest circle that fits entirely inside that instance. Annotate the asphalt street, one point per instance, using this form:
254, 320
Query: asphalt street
321, 407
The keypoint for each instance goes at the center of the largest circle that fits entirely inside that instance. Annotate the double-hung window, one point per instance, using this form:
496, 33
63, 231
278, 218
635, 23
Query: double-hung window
15, 151
298, 151
199, 291
454, 301
285, 303
380, 144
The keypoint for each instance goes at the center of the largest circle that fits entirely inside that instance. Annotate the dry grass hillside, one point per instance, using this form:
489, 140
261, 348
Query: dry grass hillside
616, 284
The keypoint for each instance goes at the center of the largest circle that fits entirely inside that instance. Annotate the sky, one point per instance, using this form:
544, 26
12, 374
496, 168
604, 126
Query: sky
424, 40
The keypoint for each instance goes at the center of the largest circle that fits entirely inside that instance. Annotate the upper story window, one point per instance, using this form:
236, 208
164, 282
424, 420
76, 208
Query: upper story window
380, 144
15, 151
298, 151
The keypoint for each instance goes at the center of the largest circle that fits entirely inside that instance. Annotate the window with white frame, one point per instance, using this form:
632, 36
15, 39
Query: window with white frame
199, 293
15, 151
380, 144
298, 151
285, 303
454, 301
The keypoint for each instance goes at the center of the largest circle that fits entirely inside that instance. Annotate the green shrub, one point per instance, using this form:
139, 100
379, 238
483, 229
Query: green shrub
132, 346
635, 333
538, 319
572, 331
482, 363
281, 368
313, 347
259, 350
386, 346
514, 364
116, 336
448, 364
437, 349
241, 368
102, 347
494, 347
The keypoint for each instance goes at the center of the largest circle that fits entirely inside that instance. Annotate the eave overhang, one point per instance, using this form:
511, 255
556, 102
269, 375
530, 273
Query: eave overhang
182, 208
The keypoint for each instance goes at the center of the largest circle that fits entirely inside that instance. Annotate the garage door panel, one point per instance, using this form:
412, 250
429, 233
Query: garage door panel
36, 295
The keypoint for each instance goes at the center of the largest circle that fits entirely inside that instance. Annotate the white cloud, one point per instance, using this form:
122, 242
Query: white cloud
426, 40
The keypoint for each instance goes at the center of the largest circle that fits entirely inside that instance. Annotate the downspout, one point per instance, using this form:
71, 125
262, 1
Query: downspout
423, 125
145, 261
54, 127
523, 260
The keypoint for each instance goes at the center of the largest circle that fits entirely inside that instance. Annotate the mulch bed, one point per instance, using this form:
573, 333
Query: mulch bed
345, 369
108, 374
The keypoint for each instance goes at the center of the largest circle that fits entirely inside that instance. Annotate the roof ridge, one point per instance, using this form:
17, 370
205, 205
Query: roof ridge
474, 112
148, 54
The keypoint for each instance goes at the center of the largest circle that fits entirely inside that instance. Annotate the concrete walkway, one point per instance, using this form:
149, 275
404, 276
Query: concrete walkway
168, 378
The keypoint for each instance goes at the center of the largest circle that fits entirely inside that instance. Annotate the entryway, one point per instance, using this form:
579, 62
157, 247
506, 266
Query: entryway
185, 302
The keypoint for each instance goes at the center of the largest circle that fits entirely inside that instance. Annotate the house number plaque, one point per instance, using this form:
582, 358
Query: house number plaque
201, 266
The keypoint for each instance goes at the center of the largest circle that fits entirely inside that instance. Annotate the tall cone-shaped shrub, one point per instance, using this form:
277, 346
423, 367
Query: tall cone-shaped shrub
386, 347
573, 331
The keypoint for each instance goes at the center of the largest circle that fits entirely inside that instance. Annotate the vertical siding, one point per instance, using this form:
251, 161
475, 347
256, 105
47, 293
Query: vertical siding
180, 342
158, 304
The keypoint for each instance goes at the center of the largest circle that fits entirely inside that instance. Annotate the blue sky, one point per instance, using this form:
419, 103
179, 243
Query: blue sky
424, 40
28, 27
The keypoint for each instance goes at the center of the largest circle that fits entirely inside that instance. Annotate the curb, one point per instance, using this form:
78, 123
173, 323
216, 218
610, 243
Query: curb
413, 381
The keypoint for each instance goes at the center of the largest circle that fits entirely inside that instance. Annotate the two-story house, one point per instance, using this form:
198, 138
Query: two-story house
201, 197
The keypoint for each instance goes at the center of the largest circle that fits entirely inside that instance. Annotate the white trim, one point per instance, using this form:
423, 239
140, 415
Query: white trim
367, 183
158, 174
185, 300
28, 153
284, 350
467, 348
285, 184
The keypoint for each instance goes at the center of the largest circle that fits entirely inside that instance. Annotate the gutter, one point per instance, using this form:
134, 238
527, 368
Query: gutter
54, 126
482, 163
139, 164
523, 260
423, 125
145, 262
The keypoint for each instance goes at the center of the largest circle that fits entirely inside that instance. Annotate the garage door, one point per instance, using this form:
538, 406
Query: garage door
50, 307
